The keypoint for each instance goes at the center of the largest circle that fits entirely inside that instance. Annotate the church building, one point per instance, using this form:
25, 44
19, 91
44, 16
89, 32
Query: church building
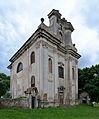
45, 68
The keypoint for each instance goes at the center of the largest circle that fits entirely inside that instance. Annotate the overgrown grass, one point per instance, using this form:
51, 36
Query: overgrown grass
76, 112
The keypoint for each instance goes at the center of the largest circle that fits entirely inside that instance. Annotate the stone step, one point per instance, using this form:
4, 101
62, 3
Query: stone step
65, 105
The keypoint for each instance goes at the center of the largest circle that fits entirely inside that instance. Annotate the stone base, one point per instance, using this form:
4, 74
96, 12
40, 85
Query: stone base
46, 103
14, 103
72, 102
55, 103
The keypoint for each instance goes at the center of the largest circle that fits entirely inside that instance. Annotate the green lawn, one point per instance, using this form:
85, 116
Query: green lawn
76, 112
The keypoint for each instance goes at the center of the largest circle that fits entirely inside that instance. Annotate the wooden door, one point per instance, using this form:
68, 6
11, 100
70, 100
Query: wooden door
61, 97
33, 102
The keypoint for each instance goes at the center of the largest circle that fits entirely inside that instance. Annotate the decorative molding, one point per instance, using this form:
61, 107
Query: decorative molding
61, 88
60, 54
69, 58
55, 50
60, 63
44, 44
37, 45
50, 77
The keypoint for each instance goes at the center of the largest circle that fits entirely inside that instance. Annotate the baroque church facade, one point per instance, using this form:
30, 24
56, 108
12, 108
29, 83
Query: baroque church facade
45, 68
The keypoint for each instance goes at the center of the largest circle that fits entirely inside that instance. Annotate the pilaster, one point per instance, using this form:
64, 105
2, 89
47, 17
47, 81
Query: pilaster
41, 70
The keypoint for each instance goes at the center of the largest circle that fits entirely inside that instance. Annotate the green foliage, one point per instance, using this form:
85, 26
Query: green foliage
89, 81
4, 76
21, 97
7, 95
4, 84
76, 112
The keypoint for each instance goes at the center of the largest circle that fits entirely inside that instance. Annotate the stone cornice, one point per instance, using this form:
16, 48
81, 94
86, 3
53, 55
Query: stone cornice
10, 66
69, 51
54, 12
73, 53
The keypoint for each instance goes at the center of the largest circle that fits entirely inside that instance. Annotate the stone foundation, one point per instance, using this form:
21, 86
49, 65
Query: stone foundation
46, 103
72, 102
26, 103
14, 103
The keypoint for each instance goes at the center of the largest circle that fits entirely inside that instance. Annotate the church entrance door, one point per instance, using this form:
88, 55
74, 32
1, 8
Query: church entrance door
61, 98
33, 102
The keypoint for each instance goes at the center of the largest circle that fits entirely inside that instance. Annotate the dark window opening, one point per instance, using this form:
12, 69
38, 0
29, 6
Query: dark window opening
73, 73
61, 72
19, 67
32, 57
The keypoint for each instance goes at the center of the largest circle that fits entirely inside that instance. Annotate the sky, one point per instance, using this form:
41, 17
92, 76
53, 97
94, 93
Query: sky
20, 18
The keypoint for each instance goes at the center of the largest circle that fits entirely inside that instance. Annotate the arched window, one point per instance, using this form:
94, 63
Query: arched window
33, 81
61, 72
73, 73
19, 67
32, 57
50, 65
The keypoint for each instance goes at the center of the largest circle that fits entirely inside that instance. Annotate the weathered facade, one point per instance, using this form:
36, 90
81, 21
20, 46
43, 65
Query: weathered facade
45, 68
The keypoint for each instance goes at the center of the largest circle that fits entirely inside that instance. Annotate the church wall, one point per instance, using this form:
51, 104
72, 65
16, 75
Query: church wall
20, 79
56, 75
72, 87
51, 81
46, 83
66, 96
62, 81
48, 78
74, 80
32, 68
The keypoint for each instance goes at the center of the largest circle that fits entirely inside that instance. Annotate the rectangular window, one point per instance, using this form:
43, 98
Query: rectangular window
50, 65
61, 72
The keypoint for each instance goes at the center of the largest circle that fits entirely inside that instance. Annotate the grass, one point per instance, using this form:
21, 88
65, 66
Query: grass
76, 112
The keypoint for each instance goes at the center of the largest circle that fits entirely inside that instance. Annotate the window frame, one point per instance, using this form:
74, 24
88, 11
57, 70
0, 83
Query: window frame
50, 65
19, 67
33, 81
32, 57
73, 73
60, 72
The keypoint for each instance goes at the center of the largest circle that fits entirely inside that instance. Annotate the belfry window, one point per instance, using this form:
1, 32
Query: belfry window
19, 67
61, 72
50, 65
32, 57
33, 81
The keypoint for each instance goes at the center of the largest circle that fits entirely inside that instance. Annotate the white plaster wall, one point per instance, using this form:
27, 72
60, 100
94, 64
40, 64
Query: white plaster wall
19, 79
22, 80
44, 81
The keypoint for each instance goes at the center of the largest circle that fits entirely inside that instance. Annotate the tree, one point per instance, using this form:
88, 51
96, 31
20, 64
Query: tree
4, 84
93, 89
88, 81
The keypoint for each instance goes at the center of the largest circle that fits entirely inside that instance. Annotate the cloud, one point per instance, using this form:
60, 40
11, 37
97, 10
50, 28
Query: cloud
19, 19
85, 35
